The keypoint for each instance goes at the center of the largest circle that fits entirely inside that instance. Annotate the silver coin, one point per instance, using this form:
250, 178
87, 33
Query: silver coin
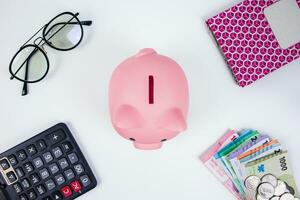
266, 190
275, 198
252, 182
287, 196
280, 189
258, 197
290, 189
270, 178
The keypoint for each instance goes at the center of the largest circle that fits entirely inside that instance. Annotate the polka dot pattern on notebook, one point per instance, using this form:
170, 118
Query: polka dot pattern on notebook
248, 42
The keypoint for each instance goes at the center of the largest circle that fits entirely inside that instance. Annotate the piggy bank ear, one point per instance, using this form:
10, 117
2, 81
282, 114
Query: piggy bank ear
127, 117
173, 120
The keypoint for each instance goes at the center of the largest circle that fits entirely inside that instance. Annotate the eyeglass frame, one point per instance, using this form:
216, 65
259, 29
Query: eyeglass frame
41, 49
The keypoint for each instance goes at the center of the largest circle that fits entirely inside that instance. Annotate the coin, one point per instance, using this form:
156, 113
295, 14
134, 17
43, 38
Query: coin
275, 198
258, 197
270, 178
287, 196
280, 189
296, 198
266, 190
290, 189
252, 182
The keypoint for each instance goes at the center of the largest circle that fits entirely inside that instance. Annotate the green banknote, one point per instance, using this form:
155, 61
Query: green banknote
277, 164
221, 157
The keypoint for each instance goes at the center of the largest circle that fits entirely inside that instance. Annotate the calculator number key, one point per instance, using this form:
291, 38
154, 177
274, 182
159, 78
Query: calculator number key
50, 184
44, 173
69, 174
59, 179
47, 157
57, 152
53, 168
38, 163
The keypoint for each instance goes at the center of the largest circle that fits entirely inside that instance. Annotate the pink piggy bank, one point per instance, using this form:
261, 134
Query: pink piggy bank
148, 97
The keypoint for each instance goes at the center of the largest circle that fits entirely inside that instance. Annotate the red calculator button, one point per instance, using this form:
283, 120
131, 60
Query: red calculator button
66, 191
76, 186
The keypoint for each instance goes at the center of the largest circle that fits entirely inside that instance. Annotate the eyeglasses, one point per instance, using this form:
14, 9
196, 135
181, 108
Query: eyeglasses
31, 64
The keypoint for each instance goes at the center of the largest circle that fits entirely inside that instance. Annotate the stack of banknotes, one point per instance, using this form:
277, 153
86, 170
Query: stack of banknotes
252, 166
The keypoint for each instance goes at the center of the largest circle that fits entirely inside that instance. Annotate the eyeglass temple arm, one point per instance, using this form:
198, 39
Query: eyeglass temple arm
84, 23
25, 85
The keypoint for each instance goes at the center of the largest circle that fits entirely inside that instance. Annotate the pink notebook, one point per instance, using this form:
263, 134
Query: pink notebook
248, 43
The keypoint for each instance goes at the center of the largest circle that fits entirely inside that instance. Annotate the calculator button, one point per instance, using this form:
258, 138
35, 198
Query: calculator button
25, 183
50, 184
31, 195
13, 160
53, 168
38, 163
57, 152
55, 137
4, 164
44, 173
21, 155
41, 189
18, 188
69, 174
67, 147
11, 177
57, 196
75, 185
59, 179
41, 145
20, 172
73, 158
47, 157
28, 167
79, 169
47, 198
63, 163
34, 179
85, 180
31, 150
23, 197
66, 191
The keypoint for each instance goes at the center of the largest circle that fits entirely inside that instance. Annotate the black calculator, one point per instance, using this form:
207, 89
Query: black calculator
49, 166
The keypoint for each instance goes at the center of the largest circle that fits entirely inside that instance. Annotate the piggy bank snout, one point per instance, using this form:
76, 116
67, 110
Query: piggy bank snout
130, 123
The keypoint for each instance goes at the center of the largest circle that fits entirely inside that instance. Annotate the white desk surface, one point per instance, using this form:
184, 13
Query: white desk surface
75, 92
